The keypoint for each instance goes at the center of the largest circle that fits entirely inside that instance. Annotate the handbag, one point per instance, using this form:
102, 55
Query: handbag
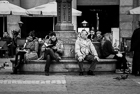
31, 56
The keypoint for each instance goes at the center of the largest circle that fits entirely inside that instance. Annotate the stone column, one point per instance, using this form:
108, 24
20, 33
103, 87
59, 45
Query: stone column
126, 20
136, 3
64, 15
74, 18
64, 27
12, 20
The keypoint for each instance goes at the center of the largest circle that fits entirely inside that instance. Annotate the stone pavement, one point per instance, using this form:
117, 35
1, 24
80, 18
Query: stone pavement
68, 83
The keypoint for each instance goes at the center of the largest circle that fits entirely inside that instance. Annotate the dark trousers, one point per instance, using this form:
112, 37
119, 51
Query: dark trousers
50, 55
11, 50
136, 63
89, 58
121, 62
18, 63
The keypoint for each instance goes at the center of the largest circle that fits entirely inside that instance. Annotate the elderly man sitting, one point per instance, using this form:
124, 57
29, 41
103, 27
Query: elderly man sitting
85, 50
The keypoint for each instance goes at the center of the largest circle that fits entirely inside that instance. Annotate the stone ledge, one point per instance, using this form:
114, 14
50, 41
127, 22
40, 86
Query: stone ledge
68, 65
67, 61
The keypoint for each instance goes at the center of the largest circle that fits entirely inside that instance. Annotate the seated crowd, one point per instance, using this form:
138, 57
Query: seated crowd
51, 48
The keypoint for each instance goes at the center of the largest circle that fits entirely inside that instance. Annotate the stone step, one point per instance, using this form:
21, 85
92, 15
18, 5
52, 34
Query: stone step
68, 65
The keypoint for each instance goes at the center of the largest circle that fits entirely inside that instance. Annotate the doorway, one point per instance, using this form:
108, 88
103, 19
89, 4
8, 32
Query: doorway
108, 16
1, 25
41, 25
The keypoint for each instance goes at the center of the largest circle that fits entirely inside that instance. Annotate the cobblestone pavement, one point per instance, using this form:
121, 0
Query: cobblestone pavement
66, 83
102, 84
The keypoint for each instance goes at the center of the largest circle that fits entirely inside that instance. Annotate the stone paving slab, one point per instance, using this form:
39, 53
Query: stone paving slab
73, 84
31, 77
32, 87
35, 92
32, 81
102, 84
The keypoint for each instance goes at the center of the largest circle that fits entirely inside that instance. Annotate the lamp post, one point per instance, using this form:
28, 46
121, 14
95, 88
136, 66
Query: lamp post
97, 21
84, 23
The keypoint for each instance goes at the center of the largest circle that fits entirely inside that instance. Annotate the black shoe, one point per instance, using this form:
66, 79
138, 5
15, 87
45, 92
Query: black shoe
81, 73
14, 71
47, 73
137, 74
90, 73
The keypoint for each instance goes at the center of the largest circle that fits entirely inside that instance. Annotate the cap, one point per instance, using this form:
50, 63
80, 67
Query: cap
98, 32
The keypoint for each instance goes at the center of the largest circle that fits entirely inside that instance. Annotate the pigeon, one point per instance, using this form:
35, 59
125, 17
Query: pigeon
117, 78
5, 64
122, 77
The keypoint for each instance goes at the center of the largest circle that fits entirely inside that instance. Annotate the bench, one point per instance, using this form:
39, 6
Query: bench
67, 65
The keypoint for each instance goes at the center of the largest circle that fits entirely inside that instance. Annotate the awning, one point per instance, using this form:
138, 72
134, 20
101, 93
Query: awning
135, 10
7, 8
50, 9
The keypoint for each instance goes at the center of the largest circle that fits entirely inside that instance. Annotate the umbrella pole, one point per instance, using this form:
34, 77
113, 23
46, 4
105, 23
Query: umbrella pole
53, 22
97, 21
3, 24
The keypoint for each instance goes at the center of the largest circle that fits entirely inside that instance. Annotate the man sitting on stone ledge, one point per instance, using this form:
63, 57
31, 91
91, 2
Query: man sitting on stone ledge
53, 50
85, 50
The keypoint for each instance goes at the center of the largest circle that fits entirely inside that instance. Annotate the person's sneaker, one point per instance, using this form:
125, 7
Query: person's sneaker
90, 73
14, 73
47, 73
59, 58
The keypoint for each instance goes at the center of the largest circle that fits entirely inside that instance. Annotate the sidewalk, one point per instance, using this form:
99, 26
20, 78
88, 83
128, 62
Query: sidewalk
65, 83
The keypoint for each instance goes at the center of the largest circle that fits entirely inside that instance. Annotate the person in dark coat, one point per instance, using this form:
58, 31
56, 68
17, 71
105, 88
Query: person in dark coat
14, 42
53, 49
92, 35
98, 36
108, 51
135, 48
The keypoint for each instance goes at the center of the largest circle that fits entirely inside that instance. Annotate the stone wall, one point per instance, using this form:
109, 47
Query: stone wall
126, 21
12, 20
74, 18
97, 2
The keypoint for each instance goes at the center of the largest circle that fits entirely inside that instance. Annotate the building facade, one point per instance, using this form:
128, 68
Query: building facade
126, 23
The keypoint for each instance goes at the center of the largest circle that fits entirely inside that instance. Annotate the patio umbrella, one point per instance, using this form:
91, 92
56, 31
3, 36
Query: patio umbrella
50, 9
7, 8
135, 10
